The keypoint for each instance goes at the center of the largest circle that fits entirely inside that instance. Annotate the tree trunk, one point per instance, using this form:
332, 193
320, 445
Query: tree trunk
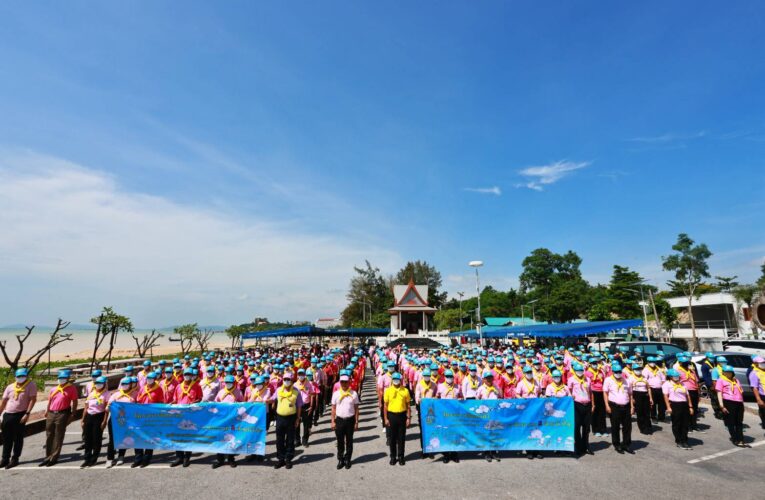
693, 323
96, 343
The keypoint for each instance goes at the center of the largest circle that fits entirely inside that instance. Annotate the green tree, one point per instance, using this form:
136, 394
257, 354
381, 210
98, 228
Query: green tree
623, 294
369, 294
187, 333
235, 332
599, 312
110, 324
423, 273
667, 315
447, 319
555, 281
761, 281
689, 263
726, 283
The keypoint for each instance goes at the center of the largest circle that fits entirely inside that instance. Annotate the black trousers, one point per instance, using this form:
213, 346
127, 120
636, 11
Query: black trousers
659, 410
693, 419
110, 452
344, 428
714, 402
599, 413
181, 454
397, 433
221, 457
13, 435
681, 418
643, 411
93, 435
320, 407
582, 417
621, 425
734, 419
306, 420
285, 437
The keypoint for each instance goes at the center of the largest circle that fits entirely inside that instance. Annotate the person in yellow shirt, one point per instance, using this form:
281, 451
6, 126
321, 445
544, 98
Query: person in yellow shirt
288, 404
396, 415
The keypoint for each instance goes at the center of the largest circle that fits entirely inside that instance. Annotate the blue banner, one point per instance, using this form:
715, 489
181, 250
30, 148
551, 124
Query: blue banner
498, 424
235, 428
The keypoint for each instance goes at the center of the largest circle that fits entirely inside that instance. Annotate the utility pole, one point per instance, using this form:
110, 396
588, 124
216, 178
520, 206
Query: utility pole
461, 294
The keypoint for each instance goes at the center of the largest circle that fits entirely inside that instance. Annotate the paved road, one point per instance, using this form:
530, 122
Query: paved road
713, 469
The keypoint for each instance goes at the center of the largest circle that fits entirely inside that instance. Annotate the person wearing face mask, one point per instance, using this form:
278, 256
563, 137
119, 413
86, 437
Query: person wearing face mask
122, 395
62, 405
689, 377
288, 404
426, 388
677, 399
757, 381
528, 388
396, 417
730, 395
643, 399
596, 376
557, 389
489, 391
620, 405
384, 381
94, 421
449, 389
16, 406
345, 420
211, 385
87, 389
579, 387
471, 383
186, 393
656, 377
307, 394
229, 393
150, 393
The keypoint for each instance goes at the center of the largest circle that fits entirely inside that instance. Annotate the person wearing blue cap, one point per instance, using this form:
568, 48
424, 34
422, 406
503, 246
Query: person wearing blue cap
345, 420
730, 395
229, 393
18, 400
677, 400
426, 388
62, 405
397, 417
150, 393
656, 376
620, 405
288, 404
94, 421
122, 395
186, 393
708, 372
641, 392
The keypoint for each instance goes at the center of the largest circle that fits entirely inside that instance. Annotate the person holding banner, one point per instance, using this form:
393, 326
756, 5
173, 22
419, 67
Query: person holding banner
579, 386
471, 383
288, 404
211, 384
620, 405
528, 388
488, 391
121, 395
186, 393
449, 389
229, 393
426, 388
345, 420
94, 421
556, 388
151, 393
396, 417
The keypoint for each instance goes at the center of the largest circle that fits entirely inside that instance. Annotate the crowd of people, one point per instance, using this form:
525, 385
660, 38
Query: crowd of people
299, 386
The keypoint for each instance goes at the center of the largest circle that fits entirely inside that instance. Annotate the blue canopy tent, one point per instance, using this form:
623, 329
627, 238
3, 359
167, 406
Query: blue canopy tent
557, 330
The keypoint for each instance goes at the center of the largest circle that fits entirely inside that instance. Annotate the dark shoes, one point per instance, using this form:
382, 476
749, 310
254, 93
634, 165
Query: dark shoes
288, 465
279, 464
401, 461
186, 461
4, 463
176, 462
44, 463
232, 462
393, 461
340, 464
217, 464
348, 464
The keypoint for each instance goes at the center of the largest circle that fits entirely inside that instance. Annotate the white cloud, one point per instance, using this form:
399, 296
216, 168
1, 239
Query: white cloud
74, 241
669, 137
543, 175
490, 190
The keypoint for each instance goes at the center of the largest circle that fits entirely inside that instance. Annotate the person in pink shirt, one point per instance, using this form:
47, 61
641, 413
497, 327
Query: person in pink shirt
449, 389
308, 395
731, 398
677, 399
18, 400
527, 387
579, 387
345, 420
488, 391
186, 393
425, 388
641, 393
62, 405
94, 421
122, 394
229, 393
471, 383
620, 406
689, 377
656, 377
556, 388
596, 375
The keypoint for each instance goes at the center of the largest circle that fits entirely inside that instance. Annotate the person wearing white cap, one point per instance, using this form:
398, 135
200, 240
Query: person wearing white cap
345, 420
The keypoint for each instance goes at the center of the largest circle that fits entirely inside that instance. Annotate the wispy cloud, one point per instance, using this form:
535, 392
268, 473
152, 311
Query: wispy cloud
545, 175
669, 137
489, 190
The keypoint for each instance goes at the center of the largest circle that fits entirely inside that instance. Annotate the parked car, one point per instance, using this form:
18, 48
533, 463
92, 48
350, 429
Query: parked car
745, 346
739, 361
650, 348
601, 345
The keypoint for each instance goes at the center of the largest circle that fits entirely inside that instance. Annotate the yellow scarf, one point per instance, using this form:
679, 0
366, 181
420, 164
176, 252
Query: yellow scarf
733, 383
491, 388
450, 388
530, 386
186, 391
226, 392
689, 374
619, 383
97, 395
426, 387
344, 394
18, 389
146, 389
760, 375
557, 388
680, 388
473, 383
60, 388
207, 381
125, 394
254, 394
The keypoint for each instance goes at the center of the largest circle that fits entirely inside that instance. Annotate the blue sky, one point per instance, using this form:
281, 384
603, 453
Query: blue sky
215, 161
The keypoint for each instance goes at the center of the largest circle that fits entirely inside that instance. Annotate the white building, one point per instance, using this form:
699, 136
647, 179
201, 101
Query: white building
717, 316
328, 323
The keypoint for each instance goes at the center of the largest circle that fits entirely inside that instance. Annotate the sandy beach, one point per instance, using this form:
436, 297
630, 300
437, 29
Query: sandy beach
81, 345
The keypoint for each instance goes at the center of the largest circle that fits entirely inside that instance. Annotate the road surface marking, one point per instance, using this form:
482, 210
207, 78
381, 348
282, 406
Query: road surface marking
723, 453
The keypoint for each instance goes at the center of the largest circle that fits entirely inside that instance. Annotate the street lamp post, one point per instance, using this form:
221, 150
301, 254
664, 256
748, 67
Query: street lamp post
461, 294
476, 264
